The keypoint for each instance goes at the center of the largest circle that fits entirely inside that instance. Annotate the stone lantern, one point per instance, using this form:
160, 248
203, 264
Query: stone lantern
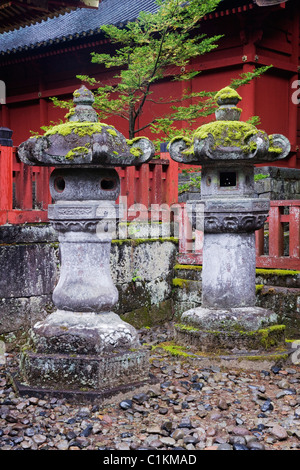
83, 348
227, 149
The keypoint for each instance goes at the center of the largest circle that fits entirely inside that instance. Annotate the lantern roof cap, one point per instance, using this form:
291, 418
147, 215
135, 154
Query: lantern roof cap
84, 141
227, 139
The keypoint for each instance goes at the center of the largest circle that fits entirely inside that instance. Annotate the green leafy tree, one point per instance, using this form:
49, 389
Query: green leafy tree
144, 50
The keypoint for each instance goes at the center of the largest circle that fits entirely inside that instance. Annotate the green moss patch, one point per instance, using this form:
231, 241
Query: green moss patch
173, 349
189, 267
80, 128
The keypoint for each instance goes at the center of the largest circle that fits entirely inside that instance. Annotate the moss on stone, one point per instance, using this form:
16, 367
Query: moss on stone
80, 128
75, 152
227, 93
188, 267
138, 241
173, 349
182, 283
268, 336
277, 272
136, 152
272, 148
258, 287
260, 176
70, 113
135, 139
188, 328
112, 132
229, 134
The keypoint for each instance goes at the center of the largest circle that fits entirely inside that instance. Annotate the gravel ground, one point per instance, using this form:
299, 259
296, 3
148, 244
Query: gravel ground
190, 407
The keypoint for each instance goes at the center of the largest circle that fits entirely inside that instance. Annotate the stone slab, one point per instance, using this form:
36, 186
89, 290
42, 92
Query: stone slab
106, 397
234, 341
244, 318
83, 373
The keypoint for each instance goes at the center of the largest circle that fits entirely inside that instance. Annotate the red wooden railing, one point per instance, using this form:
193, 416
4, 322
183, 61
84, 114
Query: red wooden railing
25, 195
153, 183
277, 244
24, 190
283, 247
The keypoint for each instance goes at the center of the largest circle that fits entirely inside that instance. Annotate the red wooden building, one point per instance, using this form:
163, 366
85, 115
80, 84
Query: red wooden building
43, 59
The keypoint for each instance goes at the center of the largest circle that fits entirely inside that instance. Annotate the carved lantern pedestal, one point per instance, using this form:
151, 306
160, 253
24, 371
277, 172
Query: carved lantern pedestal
83, 349
228, 322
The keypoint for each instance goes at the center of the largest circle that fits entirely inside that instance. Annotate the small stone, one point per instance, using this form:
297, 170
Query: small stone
156, 444
122, 446
211, 432
33, 400
279, 432
202, 412
255, 445
224, 446
190, 440
267, 406
106, 419
126, 404
240, 447
26, 444
239, 421
168, 441
140, 398
275, 369
154, 391
62, 445
240, 431
297, 413
71, 435
185, 423
237, 440
153, 430
216, 416
81, 442
177, 409
283, 384
87, 431
190, 447
21, 406
167, 426
29, 432
222, 404
39, 439
178, 434
197, 386
84, 412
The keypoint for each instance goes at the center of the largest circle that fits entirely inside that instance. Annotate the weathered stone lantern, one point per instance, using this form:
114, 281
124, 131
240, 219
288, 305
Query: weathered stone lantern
227, 149
83, 347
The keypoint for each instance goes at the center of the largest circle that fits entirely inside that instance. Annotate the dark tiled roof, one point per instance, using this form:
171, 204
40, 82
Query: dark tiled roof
16, 14
75, 23
85, 21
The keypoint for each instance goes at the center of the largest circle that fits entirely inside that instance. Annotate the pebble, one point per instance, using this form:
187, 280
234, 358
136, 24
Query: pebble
190, 407
279, 432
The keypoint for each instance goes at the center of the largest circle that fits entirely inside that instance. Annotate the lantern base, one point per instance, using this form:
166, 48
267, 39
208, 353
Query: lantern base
75, 352
248, 330
83, 378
